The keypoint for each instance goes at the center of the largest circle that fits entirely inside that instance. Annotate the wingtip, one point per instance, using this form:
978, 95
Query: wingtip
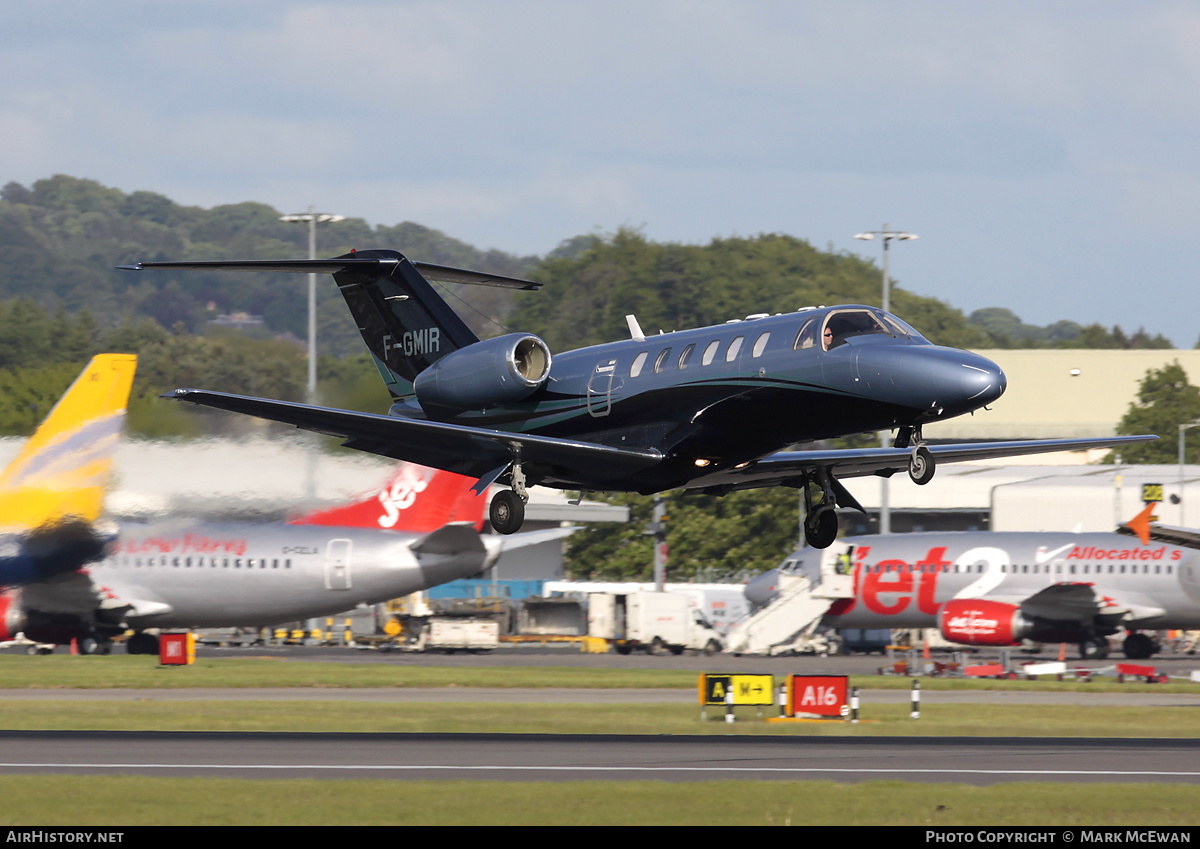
137, 266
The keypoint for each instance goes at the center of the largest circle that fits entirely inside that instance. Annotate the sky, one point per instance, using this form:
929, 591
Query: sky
1046, 154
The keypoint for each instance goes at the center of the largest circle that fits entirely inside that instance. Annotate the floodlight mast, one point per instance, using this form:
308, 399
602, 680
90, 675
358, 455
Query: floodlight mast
312, 218
885, 438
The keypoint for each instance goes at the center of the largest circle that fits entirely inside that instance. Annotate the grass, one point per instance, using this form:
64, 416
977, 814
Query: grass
122, 801
141, 672
584, 718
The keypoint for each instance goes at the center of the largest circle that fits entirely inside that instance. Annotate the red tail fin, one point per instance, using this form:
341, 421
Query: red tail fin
415, 499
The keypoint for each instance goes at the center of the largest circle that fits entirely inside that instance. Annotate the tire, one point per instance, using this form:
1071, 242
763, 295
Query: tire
1138, 647
821, 530
507, 512
921, 466
712, 647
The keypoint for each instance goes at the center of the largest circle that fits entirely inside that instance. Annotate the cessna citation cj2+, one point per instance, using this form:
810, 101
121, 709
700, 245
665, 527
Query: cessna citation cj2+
707, 409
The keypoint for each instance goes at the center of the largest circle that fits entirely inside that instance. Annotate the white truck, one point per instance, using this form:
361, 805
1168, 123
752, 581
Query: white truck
651, 621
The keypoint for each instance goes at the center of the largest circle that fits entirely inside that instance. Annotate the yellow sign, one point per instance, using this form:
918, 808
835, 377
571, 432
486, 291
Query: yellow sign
1152, 492
746, 689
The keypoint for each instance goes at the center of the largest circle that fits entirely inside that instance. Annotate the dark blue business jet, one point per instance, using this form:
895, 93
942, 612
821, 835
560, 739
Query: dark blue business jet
708, 409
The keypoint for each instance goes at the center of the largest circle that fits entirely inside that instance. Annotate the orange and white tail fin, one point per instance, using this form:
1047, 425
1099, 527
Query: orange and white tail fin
416, 499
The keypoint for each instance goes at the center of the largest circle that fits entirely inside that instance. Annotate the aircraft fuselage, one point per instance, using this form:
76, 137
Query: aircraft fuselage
715, 397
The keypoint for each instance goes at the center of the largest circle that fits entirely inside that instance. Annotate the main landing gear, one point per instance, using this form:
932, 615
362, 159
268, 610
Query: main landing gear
820, 518
507, 510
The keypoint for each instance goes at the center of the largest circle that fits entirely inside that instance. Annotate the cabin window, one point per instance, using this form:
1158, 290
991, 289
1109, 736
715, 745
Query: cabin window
686, 356
710, 352
636, 367
760, 344
734, 347
661, 362
807, 337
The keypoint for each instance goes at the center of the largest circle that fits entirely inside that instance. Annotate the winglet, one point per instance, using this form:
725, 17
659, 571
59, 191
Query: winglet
64, 469
416, 499
1140, 524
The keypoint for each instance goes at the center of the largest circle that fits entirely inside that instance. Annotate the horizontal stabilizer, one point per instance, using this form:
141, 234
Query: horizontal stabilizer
450, 540
441, 273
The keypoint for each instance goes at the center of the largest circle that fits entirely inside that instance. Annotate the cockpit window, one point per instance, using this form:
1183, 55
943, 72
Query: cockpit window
902, 329
843, 324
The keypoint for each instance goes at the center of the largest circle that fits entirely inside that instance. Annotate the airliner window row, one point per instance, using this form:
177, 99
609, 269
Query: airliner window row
202, 562
1026, 569
663, 360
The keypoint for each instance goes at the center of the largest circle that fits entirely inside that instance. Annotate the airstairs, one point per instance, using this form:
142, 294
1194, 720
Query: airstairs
789, 623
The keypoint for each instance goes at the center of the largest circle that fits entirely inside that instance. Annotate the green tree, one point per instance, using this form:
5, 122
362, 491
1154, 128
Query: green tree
708, 538
1165, 400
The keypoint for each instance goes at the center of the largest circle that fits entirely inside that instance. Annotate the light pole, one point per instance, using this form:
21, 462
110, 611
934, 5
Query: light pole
312, 218
885, 438
1182, 501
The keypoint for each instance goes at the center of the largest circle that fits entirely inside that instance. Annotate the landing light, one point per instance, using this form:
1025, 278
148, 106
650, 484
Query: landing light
702, 462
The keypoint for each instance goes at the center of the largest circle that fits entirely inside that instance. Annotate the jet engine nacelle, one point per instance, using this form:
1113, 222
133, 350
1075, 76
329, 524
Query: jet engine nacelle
978, 622
497, 371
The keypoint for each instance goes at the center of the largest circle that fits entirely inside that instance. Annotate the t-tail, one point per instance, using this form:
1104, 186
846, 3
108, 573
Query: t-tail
405, 323
52, 494
415, 499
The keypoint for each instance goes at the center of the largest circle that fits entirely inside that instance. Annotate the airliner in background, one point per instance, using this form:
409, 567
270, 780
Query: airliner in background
985, 588
420, 530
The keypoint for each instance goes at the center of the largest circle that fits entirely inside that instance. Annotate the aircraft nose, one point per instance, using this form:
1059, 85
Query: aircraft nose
961, 382
942, 382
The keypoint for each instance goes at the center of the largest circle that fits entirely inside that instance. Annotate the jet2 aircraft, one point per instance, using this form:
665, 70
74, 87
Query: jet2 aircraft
991, 588
710, 409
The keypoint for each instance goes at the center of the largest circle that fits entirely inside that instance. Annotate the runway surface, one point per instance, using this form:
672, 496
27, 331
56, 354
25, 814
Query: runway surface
523, 757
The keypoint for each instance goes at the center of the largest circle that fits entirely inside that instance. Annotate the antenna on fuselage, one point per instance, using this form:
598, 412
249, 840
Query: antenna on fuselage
635, 329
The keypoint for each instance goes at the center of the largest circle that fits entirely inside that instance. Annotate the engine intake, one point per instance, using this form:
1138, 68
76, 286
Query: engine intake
978, 622
487, 374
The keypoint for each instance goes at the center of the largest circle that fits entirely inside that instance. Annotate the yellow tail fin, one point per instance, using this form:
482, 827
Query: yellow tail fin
62, 472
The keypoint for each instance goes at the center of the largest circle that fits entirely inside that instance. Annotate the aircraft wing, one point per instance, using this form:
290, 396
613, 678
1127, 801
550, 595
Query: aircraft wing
789, 466
1080, 603
475, 452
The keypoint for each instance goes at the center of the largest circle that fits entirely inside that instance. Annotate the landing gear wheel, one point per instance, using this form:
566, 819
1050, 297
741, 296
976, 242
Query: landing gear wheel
142, 643
1095, 649
820, 529
1138, 647
921, 466
507, 512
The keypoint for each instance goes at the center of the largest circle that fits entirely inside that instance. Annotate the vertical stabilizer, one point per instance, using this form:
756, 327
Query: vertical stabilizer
62, 472
405, 323
415, 499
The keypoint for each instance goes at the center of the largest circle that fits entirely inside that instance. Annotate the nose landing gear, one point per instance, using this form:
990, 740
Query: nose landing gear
920, 465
